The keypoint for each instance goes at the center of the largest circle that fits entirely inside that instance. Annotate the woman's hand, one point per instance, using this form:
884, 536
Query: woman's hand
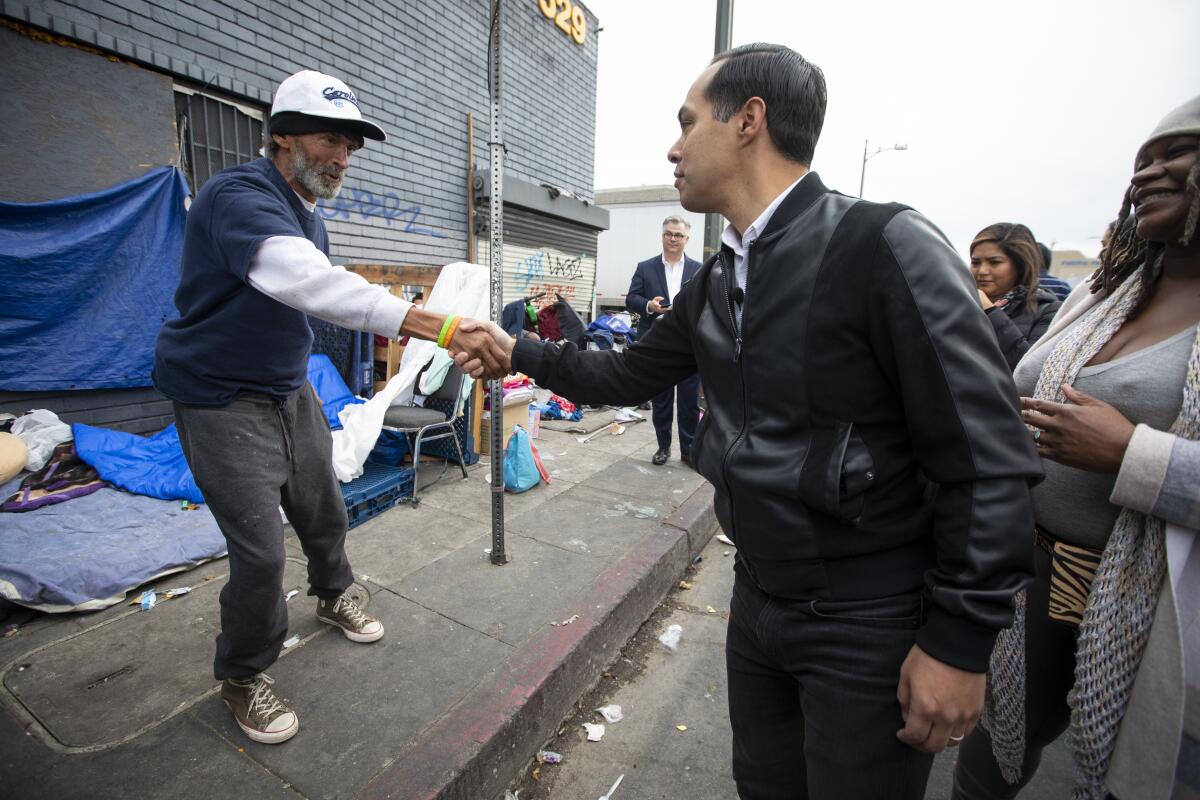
1085, 433
984, 301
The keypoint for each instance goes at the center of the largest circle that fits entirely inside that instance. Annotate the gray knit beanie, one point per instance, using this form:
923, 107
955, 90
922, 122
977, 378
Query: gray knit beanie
1184, 120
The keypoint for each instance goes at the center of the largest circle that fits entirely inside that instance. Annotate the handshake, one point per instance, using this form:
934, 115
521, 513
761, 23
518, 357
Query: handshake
481, 349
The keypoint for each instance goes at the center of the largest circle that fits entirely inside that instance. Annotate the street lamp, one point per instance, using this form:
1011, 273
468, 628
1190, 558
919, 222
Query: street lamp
867, 157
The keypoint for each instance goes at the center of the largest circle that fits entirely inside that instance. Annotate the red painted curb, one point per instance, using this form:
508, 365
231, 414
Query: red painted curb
476, 750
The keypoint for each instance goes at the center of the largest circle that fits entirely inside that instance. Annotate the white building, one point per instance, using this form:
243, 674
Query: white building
634, 234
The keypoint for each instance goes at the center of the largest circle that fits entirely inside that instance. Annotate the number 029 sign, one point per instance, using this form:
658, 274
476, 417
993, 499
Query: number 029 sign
569, 18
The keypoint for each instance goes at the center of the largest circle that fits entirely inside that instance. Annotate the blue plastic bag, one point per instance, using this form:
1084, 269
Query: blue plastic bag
523, 469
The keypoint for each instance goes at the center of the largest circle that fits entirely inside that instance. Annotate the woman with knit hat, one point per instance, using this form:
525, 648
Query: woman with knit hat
1105, 642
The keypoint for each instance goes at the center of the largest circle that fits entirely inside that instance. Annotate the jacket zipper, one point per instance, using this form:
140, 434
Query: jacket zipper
737, 359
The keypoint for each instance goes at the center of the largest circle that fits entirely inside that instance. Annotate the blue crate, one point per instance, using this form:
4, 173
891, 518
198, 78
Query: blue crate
379, 488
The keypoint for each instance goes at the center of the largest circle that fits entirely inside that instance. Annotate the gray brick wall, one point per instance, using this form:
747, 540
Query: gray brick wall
417, 68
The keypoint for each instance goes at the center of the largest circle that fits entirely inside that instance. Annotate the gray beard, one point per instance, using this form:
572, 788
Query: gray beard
309, 176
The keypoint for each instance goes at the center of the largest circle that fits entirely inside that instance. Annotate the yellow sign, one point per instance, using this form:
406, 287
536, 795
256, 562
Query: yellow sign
568, 17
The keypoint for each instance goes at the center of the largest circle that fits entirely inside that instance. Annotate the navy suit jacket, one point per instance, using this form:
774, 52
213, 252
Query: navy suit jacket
650, 281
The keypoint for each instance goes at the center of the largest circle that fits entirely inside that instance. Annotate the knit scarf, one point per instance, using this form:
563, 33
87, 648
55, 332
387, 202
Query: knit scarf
1120, 607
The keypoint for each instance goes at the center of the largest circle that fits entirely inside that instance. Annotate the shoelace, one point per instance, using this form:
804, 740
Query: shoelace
263, 702
347, 607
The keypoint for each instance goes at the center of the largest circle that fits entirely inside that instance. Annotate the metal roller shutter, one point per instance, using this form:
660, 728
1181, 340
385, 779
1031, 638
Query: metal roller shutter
546, 254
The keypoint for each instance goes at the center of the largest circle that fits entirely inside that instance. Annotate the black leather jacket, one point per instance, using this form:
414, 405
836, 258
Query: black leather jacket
862, 429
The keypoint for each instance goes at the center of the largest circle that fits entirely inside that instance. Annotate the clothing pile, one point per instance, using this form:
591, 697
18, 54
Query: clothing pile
558, 408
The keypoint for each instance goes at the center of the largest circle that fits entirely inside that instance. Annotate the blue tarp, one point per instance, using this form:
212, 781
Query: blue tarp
87, 282
332, 390
149, 465
88, 552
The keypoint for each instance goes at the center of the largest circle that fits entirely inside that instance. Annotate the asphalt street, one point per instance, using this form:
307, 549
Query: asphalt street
659, 693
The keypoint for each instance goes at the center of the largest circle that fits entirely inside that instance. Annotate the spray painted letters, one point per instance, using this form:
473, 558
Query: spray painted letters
368, 205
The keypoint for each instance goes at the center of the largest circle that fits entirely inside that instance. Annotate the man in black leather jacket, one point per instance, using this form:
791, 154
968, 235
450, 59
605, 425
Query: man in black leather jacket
863, 437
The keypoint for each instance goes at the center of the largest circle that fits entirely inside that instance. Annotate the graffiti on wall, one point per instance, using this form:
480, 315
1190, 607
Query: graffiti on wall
367, 206
551, 273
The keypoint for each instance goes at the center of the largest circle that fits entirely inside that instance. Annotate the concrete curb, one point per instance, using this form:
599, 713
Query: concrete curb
475, 751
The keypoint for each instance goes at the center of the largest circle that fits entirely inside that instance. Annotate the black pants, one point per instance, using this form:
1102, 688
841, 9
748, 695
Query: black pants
1049, 676
249, 458
686, 396
812, 697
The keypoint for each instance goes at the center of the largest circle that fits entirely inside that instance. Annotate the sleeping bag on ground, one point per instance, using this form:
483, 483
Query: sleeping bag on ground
149, 465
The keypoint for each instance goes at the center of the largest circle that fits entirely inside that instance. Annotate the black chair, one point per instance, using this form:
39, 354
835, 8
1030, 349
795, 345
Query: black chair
421, 421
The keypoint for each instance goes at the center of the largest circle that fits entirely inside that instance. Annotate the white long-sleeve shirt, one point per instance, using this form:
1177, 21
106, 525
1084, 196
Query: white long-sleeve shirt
293, 271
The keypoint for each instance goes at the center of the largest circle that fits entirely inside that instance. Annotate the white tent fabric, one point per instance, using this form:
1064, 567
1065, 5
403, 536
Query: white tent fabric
462, 289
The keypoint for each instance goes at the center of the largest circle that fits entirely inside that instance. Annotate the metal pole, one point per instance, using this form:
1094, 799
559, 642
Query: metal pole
721, 42
496, 263
862, 176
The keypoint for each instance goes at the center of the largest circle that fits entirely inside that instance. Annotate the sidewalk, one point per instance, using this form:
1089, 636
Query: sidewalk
469, 681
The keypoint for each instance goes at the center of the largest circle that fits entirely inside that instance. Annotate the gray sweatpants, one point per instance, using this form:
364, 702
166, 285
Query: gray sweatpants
249, 458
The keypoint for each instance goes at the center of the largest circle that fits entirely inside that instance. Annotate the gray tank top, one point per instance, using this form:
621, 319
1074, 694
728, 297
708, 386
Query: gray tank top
1147, 387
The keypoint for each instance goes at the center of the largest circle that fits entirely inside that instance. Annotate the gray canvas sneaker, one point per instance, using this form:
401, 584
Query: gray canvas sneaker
259, 713
354, 622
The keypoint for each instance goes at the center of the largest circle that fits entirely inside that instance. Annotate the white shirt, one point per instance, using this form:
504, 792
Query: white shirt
293, 271
674, 277
739, 244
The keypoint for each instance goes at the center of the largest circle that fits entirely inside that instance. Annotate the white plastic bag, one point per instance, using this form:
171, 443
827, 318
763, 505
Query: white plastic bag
42, 431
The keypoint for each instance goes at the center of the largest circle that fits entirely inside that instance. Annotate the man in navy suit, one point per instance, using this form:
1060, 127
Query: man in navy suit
655, 283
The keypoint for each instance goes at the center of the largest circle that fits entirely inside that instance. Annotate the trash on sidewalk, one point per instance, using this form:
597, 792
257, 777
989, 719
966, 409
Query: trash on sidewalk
292, 642
290, 595
670, 639
685, 585
511, 795
549, 757
608, 795
681, 728
594, 732
710, 609
566, 621
725, 553
723, 539
611, 713
149, 598
628, 415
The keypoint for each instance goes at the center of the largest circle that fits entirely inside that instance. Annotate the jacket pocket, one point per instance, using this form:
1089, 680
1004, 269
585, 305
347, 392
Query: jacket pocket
836, 473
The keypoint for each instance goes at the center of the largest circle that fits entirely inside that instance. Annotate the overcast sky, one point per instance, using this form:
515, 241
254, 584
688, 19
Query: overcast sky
1022, 111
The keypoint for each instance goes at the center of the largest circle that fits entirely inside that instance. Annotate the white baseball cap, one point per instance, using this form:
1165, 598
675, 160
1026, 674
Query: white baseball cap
312, 102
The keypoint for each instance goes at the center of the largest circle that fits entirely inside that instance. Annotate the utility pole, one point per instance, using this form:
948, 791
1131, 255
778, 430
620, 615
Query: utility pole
722, 42
496, 264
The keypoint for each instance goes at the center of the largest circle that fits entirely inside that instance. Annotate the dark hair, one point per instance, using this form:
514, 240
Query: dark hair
1047, 256
1127, 251
1017, 242
792, 88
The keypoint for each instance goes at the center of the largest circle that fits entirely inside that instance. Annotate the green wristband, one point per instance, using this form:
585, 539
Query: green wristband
445, 328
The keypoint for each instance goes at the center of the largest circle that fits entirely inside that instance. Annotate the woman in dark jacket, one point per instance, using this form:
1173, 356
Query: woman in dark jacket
1006, 263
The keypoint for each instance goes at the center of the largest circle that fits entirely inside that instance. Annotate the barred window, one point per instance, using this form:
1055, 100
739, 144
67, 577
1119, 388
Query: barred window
214, 134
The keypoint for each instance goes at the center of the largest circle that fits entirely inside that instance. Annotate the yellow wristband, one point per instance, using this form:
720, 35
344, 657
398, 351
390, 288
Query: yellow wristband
450, 333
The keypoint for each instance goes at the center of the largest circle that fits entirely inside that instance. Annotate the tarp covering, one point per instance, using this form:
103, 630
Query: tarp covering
88, 281
150, 465
87, 553
332, 390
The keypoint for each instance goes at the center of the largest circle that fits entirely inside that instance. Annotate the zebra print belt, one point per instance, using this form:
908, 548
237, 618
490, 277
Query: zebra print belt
1072, 570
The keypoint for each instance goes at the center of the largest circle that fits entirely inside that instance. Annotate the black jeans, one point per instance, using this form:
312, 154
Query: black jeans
812, 697
249, 458
685, 397
1049, 676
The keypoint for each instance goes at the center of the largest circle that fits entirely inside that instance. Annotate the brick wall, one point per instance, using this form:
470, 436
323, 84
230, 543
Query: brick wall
417, 68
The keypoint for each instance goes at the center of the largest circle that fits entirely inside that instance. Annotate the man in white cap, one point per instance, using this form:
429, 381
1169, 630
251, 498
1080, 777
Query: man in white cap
255, 263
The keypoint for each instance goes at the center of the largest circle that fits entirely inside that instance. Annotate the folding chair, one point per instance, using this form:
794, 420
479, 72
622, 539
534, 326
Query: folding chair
421, 421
